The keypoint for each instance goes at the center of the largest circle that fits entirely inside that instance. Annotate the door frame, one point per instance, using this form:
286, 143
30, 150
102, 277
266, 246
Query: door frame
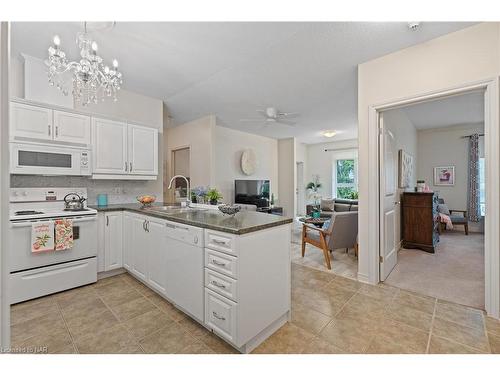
300, 189
492, 155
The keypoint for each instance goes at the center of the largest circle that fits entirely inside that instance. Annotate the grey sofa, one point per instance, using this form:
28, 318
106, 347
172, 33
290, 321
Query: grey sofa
331, 205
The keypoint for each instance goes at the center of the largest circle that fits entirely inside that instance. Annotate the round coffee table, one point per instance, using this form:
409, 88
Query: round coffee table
315, 221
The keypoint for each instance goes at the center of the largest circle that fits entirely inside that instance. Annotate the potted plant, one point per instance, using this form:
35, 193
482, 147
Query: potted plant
214, 196
313, 189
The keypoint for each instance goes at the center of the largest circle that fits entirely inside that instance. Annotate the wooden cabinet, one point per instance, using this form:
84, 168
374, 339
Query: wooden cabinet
44, 124
109, 139
420, 221
71, 127
124, 151
113, 240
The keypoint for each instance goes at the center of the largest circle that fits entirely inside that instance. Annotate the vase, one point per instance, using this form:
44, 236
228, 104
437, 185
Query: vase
213, 202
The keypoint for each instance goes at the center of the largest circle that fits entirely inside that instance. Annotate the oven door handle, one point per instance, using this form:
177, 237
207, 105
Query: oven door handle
29, 223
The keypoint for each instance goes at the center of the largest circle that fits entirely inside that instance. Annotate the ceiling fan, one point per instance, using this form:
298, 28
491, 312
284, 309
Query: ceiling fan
273, 115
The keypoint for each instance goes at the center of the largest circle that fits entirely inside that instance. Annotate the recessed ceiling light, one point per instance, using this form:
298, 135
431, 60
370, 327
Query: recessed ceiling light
329, 133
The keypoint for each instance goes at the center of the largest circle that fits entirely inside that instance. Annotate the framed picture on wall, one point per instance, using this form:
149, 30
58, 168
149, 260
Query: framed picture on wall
444, 176
405, 161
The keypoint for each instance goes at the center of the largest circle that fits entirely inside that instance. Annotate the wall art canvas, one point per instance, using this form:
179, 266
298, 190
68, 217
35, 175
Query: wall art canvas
444, 176
405, 169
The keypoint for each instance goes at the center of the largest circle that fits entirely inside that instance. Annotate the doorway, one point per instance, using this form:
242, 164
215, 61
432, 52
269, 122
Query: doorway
460, 268
181, 166
300, 190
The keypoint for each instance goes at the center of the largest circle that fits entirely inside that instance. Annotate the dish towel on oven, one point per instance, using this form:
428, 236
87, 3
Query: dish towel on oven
64, 234
42, 236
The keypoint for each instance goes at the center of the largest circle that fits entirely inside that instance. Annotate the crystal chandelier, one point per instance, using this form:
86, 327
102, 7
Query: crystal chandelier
92, 80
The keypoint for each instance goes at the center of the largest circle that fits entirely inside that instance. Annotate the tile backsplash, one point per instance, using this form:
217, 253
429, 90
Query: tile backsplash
119, 191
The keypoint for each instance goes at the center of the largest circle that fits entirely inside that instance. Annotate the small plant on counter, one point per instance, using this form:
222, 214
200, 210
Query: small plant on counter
214, 196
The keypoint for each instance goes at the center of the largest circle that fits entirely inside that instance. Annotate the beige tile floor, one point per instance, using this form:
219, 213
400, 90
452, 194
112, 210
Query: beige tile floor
330, 314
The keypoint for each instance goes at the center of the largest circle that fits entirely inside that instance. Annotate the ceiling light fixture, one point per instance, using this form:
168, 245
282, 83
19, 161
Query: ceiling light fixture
413, 26
329, 133
92, 80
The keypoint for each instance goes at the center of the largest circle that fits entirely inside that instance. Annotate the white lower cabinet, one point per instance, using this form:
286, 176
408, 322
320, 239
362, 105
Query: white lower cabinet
113, 240
220, 315
156, 254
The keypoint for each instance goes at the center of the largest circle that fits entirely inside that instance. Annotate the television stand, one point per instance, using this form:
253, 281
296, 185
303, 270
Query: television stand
271, 210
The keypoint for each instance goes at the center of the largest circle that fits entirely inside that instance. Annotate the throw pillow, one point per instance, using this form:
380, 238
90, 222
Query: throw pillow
326, 224
327, 204
443, 209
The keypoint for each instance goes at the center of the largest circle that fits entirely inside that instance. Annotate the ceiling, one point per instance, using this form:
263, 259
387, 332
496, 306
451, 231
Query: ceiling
455, 110
233, 69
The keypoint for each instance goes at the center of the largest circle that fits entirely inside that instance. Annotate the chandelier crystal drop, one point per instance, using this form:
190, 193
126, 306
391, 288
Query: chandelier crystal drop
92, 79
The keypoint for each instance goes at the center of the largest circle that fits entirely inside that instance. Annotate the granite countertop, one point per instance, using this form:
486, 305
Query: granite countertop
243, 222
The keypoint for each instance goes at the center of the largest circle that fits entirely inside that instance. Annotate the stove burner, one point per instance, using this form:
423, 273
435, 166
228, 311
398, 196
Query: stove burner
28, 212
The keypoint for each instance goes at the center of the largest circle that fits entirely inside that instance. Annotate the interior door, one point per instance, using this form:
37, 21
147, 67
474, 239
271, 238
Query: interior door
388, 200
142, 150
110, 146
71, 127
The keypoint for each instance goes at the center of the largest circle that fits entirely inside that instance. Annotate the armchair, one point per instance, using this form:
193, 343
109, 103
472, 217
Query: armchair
342, 232
460, 219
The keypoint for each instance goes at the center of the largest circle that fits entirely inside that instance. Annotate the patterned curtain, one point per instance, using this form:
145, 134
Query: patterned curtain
473, 190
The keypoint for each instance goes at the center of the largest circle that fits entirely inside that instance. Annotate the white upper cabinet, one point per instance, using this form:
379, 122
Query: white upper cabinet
124, 151
71, 127
142, 150
28, 121
109, 139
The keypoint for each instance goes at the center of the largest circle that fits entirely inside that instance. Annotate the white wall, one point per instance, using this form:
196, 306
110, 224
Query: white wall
463, 57
229, 145
286, 176
198, 135
444, 147
319, 162
405, 138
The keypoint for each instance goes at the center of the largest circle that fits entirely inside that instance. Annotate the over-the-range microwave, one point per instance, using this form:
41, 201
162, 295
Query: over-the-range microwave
52, 160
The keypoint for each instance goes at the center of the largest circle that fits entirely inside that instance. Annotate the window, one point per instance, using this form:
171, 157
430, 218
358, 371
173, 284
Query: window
346, 179
482, 185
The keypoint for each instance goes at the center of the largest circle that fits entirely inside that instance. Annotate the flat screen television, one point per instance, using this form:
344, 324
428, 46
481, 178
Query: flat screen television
255, 192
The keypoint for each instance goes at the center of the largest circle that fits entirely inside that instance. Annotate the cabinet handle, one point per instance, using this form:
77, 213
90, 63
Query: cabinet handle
220, 242
57, 131
130, 166
218, 285
147, 226
218, 263
217, 316
144, 225
49, 129
126, 167
107, 221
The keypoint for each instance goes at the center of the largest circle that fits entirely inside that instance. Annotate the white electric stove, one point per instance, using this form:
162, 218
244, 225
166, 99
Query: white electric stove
34, 275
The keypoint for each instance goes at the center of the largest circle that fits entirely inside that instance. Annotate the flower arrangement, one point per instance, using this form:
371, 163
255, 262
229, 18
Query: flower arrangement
198, 194
313, 189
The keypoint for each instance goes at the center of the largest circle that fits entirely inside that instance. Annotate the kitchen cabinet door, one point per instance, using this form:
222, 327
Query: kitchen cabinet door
142, 150
28, 121
157, 255
109, 139
71, 127
127, 241
113, 241
139, 244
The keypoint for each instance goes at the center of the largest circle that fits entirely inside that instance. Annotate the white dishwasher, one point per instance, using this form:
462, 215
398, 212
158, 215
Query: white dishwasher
184, 286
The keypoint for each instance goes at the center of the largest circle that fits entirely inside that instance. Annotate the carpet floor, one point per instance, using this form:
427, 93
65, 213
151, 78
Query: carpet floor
455, 272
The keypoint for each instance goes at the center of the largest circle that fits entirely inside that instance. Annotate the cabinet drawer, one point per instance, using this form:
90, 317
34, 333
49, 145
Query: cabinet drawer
219, 241
223, 263
220, 315
221, 284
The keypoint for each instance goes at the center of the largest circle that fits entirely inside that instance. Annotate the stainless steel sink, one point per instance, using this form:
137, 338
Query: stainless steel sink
172, 209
